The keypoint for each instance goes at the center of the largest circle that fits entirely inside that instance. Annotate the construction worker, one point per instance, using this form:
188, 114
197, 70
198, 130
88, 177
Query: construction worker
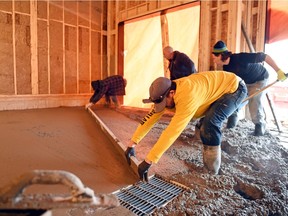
248, 66
110, 87
213, 95
180, 64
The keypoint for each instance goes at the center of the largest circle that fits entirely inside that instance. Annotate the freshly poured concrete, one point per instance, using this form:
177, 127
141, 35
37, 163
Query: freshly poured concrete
61, 139
252, 178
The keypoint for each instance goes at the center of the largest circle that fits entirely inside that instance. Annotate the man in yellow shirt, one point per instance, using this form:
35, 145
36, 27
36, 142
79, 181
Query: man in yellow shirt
213, 95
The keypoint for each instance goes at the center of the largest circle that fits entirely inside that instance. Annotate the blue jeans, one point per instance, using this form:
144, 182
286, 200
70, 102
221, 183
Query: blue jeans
219, 111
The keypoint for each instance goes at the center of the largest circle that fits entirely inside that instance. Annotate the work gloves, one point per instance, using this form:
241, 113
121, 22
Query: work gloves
281, 75
143, 170
128, 153
88, 105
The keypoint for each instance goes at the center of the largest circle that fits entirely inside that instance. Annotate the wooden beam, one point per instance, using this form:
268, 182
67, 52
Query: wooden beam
262, 8
34, 46
121, 50
165, 41
14, 47
234, 25
205, 38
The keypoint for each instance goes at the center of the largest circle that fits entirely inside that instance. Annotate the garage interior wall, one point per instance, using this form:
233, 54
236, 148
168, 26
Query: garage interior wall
51, 50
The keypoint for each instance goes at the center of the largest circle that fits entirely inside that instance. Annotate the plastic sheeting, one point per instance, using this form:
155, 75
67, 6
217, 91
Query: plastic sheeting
277, 21
143, 56
184, 31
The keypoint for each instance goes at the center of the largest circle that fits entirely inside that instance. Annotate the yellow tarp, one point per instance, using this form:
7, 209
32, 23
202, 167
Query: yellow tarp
143, 61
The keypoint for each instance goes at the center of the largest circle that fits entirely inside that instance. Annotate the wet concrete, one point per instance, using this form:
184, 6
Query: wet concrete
252, 180
253, 176
123, 122
60, 139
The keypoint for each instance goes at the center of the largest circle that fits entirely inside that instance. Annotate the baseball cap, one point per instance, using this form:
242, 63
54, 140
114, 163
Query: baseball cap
219, 47
158, 91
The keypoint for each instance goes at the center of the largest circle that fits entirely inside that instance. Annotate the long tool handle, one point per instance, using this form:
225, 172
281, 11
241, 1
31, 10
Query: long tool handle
261, 90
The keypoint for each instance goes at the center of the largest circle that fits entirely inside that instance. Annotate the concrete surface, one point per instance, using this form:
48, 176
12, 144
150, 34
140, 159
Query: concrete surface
60, 139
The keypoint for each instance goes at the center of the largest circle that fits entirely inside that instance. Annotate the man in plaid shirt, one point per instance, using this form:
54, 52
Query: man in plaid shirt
110, 87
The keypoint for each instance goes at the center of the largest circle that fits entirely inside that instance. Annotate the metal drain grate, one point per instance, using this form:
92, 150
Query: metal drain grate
144, 197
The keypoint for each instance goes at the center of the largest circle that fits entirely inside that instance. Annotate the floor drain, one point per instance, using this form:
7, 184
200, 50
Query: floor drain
144, 197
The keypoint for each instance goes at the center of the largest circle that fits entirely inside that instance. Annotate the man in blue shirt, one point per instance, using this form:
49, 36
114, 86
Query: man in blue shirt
180, 65
248, 66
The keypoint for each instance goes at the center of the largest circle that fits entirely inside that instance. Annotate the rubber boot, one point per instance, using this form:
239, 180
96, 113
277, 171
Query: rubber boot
232, 120
259, 129
212, 158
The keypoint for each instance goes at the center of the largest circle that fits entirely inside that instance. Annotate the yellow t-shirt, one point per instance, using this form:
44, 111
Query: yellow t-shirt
193, 97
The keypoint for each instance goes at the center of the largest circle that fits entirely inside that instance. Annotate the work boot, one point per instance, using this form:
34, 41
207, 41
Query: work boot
259, 129
232, 121
212, 158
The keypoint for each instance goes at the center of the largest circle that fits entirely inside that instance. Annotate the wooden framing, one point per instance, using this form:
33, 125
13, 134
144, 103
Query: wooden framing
254, 20
221, 20
53, 49
39, 65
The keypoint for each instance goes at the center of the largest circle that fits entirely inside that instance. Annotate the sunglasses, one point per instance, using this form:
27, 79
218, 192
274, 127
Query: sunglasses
161, 98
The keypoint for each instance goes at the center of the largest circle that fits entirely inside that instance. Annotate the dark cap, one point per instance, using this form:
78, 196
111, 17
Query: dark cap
219, 47
158, 91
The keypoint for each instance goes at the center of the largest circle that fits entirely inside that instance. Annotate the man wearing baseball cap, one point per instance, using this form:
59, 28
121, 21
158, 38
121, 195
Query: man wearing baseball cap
248, 66
212, 95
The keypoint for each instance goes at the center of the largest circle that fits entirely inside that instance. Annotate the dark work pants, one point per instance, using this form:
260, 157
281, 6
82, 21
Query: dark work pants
219, 111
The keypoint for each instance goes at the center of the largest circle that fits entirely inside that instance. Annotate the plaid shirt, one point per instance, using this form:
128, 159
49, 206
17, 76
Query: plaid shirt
111, 86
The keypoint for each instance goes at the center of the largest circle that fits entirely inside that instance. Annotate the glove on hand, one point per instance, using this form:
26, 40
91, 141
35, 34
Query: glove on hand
281, 75
88, 105
143, 170
128, 153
